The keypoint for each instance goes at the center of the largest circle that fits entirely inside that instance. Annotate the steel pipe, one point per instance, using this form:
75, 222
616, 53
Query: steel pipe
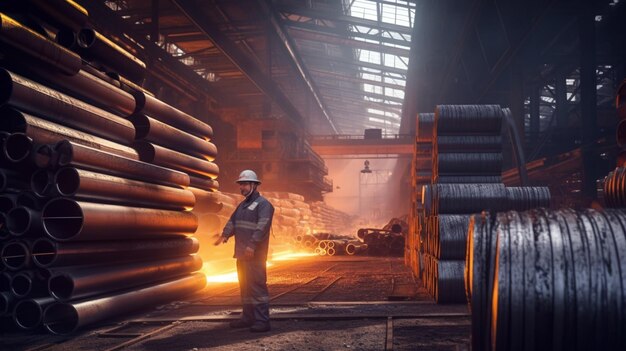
65, 318
67, 153
158, 155
468, 119
17, 148
168, 114
28, 314
90, 186
42, 131
96, 47
23, 221
65, 220
206, 201
355, 248
469, 143
40, 100
204, 183
30, 200
80, 282
7, 202
42, 183
36, 45
6, 303
5, 282
11, 180
31, 283
15, 255
155, 131
485, 164
47, 253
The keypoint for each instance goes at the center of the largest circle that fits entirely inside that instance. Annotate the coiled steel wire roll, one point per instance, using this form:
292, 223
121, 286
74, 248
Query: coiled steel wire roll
558, 280
468, 119
468, 179
469, 143
528, 197
424, 128
485, 164
463, 198
615, 188
444, 279
450, 237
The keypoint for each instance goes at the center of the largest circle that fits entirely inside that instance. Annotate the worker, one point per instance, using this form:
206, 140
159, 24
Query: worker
250, 225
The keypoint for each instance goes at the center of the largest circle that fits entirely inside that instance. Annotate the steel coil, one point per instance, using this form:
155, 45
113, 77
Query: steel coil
468, 179
463, 198
620, 100
451, 237
424, 127
485, 164
528, 197
557, 278
468, 119
469, 143
615, 188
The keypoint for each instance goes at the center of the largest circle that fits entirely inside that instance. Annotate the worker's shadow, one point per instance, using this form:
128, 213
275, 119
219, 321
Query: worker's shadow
209, 335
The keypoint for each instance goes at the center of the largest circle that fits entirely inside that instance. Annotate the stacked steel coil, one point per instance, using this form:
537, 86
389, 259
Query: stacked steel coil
613, 189
547, 280
467, 161
95, 182
421, 174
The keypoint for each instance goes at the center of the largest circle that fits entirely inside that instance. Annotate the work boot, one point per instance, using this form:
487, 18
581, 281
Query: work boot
240, 324
259, 327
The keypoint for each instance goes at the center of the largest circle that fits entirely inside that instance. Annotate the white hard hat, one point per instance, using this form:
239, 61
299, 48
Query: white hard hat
248, 176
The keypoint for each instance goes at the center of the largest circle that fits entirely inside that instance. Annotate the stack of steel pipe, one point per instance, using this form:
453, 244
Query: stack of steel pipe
467, 159
94, 179
544, 279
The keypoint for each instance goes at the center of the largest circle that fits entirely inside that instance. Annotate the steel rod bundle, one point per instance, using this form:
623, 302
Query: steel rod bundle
557, 280
42, 131
65, 318
66, 219
80, 282
67, 153
91, 186
468, 119
48, 253
43, 101
36, 45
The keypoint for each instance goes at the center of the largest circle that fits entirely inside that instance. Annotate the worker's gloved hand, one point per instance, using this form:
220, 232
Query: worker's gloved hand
219, 239
249, 253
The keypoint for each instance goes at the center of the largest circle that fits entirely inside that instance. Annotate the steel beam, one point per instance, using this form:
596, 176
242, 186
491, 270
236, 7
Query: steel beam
344, 33
243, 62
351, 20
292, 52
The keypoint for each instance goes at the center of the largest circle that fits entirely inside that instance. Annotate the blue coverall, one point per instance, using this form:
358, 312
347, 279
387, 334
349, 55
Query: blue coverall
250, 224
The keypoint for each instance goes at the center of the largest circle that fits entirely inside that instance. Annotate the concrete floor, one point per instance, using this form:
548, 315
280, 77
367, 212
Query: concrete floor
317, 303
